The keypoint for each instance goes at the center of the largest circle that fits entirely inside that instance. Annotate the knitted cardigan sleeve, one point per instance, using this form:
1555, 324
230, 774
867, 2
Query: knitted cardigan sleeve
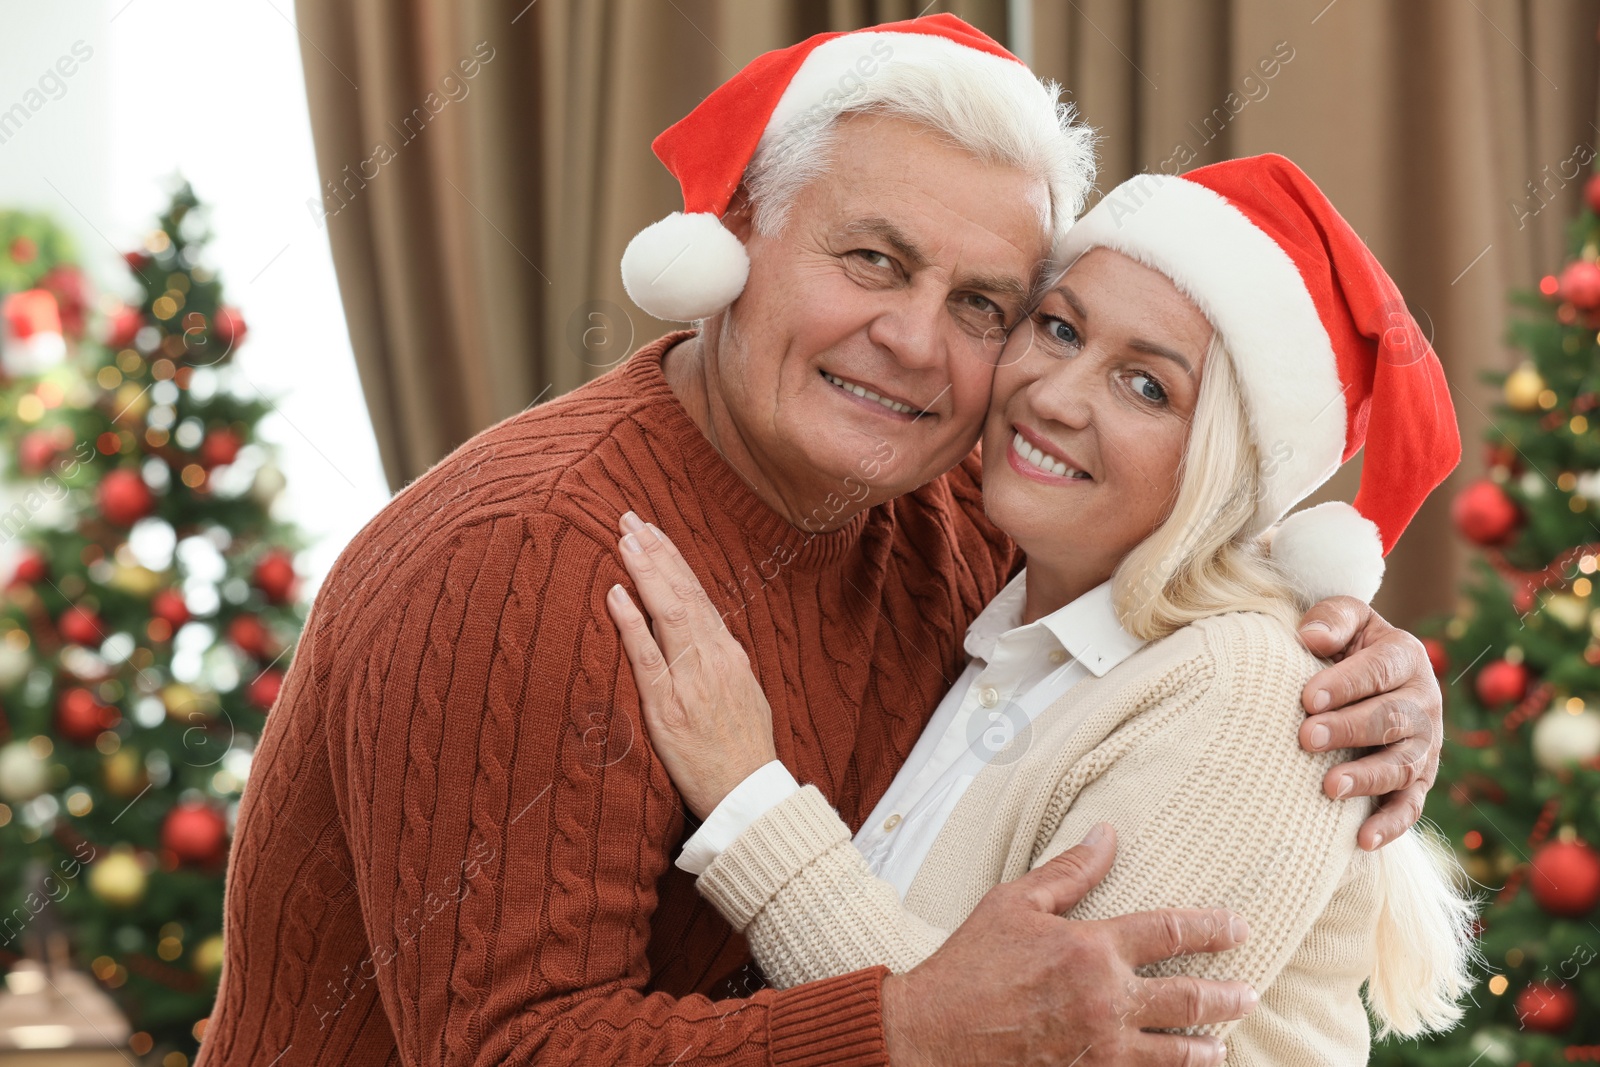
1214, 802
1219, 806
803, 896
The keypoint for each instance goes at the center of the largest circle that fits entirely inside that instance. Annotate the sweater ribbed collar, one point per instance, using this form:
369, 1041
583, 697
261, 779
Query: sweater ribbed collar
724, 489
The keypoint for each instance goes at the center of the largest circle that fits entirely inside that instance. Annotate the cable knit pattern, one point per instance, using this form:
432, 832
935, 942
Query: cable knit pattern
455, 845
1190, 749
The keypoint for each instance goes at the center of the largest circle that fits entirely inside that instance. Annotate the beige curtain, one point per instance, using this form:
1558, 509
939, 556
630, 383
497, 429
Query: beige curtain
478, 265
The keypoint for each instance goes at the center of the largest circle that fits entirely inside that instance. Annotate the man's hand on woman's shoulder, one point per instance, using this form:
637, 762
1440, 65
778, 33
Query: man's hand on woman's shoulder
1380, 693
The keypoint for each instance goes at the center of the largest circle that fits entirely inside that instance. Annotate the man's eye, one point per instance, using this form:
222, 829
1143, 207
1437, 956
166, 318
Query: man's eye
872, 258
1149, 388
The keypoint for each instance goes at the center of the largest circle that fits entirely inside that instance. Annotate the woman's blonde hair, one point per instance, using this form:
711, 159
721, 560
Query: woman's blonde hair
1201, 562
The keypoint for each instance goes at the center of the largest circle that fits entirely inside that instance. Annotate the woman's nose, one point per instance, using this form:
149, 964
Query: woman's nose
1063, 393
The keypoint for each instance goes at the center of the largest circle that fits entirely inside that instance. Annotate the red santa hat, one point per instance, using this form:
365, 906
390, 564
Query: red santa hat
1328, 357
688, 266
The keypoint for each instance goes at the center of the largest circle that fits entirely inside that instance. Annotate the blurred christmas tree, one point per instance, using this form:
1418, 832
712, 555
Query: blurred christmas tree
148, 616
1517, 790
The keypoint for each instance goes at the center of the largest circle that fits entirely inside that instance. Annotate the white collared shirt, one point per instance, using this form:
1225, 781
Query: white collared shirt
1016, 671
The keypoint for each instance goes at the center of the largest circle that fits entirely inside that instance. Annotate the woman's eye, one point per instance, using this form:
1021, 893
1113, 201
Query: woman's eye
1149, 388
1062, 331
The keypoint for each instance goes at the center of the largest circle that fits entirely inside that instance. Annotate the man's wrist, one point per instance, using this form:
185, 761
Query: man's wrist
903, 1033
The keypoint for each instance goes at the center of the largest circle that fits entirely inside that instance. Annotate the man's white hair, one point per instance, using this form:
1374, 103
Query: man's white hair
1015, 120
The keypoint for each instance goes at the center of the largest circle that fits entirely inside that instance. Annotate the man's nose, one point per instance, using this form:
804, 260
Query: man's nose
909, 328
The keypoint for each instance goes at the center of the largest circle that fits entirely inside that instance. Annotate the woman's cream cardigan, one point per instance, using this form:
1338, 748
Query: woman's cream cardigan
1190, 749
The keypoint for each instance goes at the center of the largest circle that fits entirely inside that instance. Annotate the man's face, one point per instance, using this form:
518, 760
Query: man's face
897, 273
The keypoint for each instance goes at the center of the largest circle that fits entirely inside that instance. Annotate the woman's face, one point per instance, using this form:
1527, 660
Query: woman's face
1090, 416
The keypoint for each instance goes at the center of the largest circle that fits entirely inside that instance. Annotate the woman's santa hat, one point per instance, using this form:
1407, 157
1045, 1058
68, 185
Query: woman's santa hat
688, 266
1327, 356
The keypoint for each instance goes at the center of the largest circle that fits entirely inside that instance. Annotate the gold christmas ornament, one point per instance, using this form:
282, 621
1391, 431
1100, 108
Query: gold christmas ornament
207, 955
1523, 387
136, 580
269, 482
1563, 739
14, 664
186, 704
1572, 612
24, 774
125, 774
132, 401
118, 879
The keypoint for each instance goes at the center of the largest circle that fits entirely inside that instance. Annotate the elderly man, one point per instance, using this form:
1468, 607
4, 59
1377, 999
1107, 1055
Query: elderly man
457, 846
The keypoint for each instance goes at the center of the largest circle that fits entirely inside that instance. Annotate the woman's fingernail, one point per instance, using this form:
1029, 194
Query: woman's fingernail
652, 528
1321, 700
616, 594
1346, 783
1239, 929
1319, 736
631, 523
631, 543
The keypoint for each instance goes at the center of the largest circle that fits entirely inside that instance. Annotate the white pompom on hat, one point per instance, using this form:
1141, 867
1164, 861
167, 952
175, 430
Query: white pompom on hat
1328, 358
688, 266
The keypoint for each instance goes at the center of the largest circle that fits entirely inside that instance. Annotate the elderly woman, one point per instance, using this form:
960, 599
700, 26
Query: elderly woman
1219, 344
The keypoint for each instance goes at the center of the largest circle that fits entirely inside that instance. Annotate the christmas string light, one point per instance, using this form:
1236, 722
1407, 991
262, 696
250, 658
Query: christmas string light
1542, 825
1532, 704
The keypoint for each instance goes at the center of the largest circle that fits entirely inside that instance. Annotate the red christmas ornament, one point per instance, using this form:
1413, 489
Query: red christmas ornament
1484, 514
195, 832
1522, 600
1547, 1007
228, 327
80, 626
31, 312
124, 498
274, 576
1501, 683
137, 261
169, 605
71, 293
1437, 656
1501, 455
36, 451
24, 250
220, 448
1591, 193
1580, 285
263, 691
80, 718
125, 325
31, 567
1565, 878
247, 632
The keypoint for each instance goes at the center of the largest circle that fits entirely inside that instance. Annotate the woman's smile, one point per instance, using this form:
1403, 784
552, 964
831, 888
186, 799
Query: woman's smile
1033, 456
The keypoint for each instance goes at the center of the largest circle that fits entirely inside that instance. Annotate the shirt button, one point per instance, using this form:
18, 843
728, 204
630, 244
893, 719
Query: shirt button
1058, 656
988, 696
891, 822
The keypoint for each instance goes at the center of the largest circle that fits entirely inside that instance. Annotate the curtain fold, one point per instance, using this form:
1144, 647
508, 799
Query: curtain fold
478, 260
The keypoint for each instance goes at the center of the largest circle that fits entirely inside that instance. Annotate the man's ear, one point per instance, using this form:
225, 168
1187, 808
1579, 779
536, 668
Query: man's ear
740, 218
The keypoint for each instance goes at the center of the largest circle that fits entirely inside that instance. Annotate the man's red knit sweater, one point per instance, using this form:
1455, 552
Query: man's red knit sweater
456, 843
